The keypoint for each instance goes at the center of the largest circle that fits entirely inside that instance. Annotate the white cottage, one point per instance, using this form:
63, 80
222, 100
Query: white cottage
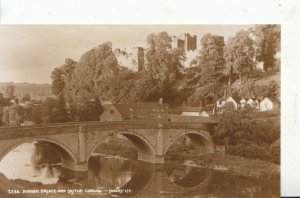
234, 100
221, 102
269, 104
243, 102
250, 102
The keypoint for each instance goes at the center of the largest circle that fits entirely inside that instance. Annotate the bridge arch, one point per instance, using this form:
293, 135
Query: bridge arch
66, 153
144, 147
195, 178
200, 139
150, 178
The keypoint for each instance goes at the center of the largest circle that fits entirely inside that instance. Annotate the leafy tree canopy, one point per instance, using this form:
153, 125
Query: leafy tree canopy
239, 55
267, 43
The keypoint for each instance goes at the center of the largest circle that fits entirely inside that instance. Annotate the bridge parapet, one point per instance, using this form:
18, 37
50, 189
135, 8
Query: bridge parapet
72, 127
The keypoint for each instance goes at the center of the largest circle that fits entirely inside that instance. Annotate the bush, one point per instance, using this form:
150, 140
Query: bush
247, 137
249, 151
228, 107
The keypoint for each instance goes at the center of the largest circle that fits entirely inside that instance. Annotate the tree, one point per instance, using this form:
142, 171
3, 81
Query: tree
211, 58
61, 112
212, 63
61, 75
3, 101
92, 75
273, 89
90, 110
10, 91
266, 90
147, 89
58, 82
52, 110
227, 130
27, 97
239, 55
267, 44
37, 114
12, 115
163, 62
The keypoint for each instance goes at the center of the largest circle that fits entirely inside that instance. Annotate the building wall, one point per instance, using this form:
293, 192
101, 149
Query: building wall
250, 102
185, 42
230, 99
134, 60
243, 102
190, 42
266, 105
180, 44
141, 59
190, 113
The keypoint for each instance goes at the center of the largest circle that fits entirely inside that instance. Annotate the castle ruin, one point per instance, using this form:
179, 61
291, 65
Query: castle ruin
134, 60
185, 42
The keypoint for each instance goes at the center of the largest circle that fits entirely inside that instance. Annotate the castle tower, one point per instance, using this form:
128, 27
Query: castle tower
141, 59
190, 42
185, 42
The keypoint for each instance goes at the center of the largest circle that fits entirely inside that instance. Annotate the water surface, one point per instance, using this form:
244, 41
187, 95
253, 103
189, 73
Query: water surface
117, 176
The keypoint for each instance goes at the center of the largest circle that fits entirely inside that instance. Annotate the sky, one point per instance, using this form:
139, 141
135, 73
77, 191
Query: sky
29, 53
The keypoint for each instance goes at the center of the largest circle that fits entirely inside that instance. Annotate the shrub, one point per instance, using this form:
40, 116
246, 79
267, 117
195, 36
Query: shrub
249, 151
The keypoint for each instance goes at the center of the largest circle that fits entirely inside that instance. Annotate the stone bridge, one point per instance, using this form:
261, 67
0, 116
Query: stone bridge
77, 141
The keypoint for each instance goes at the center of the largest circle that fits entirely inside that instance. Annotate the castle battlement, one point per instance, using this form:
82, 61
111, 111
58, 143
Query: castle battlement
185, 42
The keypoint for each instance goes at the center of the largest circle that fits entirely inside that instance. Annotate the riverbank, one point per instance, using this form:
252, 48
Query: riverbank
254, 168
240, 166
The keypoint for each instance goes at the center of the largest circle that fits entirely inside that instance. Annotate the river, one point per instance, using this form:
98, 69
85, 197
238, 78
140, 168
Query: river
115, 176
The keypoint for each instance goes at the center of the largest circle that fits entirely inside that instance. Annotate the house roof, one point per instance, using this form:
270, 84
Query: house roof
192, 109
210, 113
141, 109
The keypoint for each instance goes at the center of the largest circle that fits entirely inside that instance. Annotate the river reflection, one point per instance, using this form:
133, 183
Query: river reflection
40, 162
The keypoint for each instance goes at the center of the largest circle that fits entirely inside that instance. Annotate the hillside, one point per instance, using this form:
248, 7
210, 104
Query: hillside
32, 88
260, 84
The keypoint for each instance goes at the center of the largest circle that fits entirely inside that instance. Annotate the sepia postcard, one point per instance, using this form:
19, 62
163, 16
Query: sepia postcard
140, 110
154, 99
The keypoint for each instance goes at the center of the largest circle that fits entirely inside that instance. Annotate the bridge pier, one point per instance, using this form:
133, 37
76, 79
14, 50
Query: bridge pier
74, 169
